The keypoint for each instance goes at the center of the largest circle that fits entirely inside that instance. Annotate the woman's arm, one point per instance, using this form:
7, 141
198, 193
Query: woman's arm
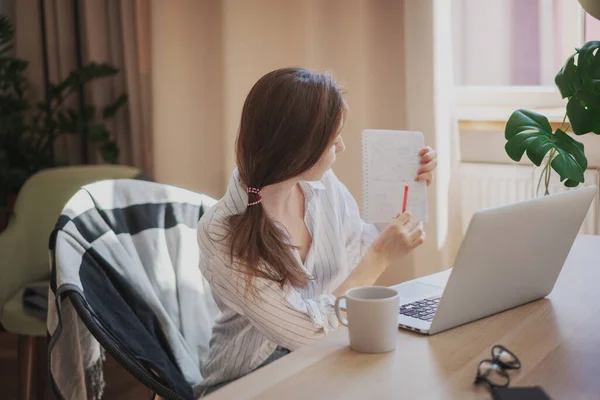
283, 315
370, 252
365, 273
397, 240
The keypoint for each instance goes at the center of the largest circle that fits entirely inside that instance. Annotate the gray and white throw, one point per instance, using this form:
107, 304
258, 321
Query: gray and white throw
129, 249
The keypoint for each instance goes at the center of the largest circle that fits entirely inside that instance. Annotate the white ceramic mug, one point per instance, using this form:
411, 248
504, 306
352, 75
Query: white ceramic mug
372, 318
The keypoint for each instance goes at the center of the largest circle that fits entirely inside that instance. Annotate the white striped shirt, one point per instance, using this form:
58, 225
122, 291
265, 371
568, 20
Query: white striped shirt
249, 328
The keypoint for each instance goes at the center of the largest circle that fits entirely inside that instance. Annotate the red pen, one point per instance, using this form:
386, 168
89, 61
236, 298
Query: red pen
405, 199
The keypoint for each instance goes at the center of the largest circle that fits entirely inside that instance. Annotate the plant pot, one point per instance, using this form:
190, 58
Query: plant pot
7, 211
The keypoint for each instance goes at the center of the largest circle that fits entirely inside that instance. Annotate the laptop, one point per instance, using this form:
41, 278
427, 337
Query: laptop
510, 256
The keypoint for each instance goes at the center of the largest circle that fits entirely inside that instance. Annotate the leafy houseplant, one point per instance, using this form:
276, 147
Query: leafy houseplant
531, 133
28, 133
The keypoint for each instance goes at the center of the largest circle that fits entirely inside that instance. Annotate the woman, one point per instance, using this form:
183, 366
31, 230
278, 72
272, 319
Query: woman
287, 237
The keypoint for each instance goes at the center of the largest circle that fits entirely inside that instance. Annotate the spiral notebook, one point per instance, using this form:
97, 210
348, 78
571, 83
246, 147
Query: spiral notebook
390, 161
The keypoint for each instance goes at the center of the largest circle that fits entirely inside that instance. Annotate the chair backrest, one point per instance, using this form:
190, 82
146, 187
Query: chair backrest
129, 249
24, 243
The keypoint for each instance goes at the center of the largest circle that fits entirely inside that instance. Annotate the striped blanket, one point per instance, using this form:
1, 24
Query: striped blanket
129, 249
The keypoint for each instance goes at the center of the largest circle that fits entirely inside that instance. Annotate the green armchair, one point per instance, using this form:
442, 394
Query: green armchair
24, 254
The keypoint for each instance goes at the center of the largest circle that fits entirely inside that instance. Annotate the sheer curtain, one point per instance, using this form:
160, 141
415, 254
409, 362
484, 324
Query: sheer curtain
429, 109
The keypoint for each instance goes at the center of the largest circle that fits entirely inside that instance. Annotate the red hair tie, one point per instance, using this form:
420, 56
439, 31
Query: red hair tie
256, 192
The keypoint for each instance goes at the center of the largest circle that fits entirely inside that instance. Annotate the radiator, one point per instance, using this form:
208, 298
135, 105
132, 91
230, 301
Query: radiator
492, 185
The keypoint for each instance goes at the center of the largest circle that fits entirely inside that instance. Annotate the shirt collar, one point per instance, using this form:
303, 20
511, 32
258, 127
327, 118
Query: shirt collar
316, 185
237, 198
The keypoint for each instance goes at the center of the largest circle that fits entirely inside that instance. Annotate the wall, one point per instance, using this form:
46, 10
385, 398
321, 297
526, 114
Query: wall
207, 55
187, 68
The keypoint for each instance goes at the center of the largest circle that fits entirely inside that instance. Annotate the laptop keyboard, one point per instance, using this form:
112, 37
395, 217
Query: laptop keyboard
421, 309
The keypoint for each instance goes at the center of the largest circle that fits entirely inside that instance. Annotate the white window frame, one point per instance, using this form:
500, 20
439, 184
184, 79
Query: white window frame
495, 103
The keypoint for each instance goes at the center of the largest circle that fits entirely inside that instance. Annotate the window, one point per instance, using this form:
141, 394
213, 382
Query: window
591, 28
507, 52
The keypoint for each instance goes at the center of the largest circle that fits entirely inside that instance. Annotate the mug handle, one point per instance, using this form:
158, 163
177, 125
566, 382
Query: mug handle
338, 311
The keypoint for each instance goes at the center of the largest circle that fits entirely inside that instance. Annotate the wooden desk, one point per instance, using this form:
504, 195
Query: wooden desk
556, 338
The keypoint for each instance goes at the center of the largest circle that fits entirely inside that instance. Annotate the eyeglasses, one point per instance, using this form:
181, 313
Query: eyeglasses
493, 372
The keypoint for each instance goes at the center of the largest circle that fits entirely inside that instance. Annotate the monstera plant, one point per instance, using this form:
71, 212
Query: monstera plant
529, 132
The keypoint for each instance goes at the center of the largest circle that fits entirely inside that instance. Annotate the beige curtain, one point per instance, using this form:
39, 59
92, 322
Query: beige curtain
112, 31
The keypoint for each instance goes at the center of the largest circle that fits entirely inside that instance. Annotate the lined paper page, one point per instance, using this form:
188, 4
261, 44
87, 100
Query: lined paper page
390, 161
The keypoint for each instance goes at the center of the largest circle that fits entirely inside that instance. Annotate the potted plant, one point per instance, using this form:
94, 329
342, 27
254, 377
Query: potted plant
28, 132
529, 132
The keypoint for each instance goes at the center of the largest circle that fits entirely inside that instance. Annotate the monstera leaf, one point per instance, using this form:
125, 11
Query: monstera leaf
527, 131
579, 81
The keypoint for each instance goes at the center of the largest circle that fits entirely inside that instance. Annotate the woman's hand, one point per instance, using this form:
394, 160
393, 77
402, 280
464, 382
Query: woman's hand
398, 239
428, 164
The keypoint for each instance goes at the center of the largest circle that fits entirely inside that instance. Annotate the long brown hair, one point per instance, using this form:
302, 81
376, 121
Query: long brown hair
289, 119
